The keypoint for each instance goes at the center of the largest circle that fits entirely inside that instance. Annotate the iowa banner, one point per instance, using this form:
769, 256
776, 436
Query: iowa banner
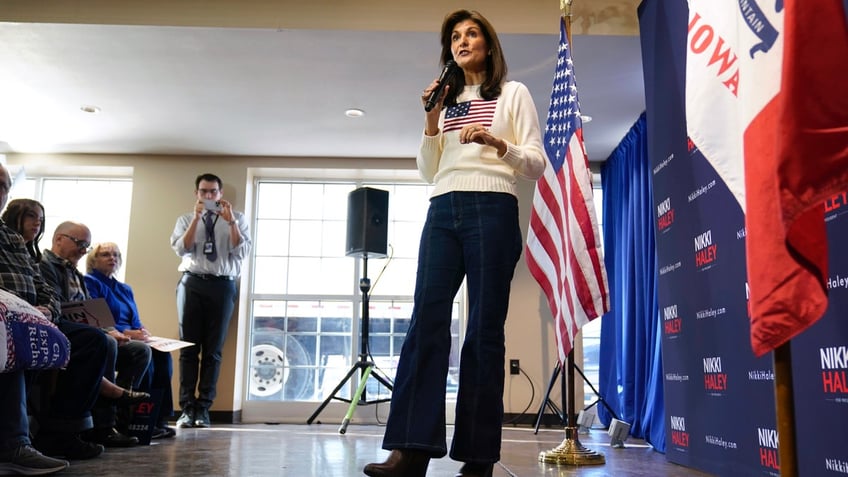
766, 105
723, 242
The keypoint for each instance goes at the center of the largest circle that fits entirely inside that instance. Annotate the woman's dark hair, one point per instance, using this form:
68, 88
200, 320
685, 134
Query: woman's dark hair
14, 216
495, 61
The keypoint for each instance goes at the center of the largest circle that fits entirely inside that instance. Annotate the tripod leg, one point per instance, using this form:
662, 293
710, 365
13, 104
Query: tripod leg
354, 400
600, 398
332, 395
546, 399
381, 378
608, 408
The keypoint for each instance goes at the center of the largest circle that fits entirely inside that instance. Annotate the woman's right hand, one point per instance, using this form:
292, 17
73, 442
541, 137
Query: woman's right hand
138, 335
431, 118
119, 337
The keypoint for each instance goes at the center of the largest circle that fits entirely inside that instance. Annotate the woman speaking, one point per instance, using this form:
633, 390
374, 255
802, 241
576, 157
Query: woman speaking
481, 135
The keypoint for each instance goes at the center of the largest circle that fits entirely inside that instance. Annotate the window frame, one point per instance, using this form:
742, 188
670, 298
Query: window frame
264, 410
52, 219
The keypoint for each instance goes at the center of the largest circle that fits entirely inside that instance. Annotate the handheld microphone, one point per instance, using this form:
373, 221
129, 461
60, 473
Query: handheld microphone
448, 71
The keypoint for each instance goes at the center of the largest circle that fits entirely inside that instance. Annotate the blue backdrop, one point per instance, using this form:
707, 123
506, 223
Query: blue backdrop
719, 398
630, 373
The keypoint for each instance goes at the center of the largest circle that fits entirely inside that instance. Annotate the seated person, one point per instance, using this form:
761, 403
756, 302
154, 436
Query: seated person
17, 455
78, 385
102, 264
18, 276
59, 267
26, 217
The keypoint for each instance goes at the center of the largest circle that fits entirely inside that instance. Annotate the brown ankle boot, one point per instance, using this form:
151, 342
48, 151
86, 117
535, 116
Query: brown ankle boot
401, 463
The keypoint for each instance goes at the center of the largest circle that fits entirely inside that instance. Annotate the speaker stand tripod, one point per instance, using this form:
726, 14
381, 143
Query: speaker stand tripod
547, 403
364, 366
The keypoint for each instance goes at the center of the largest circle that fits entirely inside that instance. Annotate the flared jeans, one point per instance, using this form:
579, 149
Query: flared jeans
476, 236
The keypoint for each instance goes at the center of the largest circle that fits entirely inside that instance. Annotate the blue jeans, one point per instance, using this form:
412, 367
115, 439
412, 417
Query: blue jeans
14, 424
158, 376
474, 235
204, 308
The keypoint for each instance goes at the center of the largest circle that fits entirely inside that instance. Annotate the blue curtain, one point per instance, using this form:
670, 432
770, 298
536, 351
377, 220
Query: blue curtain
630, 373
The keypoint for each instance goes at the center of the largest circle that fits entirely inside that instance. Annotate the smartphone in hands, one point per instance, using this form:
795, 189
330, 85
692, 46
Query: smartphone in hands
213, 205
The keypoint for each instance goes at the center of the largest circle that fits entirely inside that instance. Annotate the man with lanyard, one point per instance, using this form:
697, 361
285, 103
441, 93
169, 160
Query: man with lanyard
211, 241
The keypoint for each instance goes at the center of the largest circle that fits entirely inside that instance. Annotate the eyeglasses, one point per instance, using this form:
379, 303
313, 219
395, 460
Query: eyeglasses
208, 191
81, 244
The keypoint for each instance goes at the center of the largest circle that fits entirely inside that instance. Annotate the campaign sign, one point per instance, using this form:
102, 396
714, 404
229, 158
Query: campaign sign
94, 312
820, 365
144, 417
719, 398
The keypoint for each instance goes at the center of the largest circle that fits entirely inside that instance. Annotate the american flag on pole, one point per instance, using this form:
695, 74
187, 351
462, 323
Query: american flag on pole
563, 245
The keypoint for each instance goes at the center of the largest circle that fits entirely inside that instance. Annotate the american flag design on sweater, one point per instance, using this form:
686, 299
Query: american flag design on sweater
477, 111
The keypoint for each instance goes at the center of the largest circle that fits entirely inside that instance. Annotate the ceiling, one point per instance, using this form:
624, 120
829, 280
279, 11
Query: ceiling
206, 89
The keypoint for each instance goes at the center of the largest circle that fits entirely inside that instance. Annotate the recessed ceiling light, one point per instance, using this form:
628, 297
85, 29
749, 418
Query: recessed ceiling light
586, 118
90, 109
354, 113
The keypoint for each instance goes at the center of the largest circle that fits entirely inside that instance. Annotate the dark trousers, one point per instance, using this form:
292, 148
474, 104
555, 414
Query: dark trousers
473, 235
131, 364
78, 385
125, 366
204, 308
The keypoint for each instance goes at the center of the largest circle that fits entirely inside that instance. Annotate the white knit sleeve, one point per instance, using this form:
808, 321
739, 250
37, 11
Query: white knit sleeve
526, 155
429, 155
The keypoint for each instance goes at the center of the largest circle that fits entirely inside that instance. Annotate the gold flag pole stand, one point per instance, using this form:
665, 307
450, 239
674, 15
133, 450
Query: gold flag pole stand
570, 451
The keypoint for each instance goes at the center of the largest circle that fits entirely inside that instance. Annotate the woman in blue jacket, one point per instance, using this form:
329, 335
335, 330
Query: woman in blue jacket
102, 264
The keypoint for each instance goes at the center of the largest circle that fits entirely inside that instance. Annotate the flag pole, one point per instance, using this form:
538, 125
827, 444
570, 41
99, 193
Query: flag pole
565, 8
785, 404
570, 451
568, 391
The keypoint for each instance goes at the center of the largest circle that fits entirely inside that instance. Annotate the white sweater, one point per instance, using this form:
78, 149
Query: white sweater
454, 166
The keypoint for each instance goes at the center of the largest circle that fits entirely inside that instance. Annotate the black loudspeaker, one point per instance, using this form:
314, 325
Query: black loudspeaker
367, 222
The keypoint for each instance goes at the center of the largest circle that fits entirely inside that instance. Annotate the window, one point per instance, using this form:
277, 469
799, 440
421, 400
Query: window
591, 332
305, 298
101, 204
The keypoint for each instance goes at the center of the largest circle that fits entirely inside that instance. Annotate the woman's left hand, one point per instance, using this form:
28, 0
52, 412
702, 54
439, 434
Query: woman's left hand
476, 133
